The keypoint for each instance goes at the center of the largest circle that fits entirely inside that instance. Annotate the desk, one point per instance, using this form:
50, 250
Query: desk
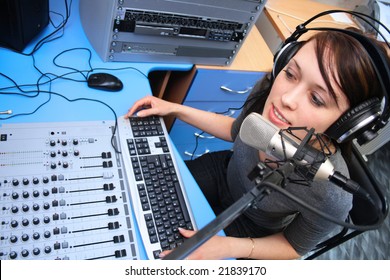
136, 84
281, 17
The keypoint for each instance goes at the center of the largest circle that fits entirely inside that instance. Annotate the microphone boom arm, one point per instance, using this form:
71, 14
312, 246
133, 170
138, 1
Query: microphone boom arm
275, 177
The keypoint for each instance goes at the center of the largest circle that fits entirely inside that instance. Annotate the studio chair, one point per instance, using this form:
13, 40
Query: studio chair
362, 212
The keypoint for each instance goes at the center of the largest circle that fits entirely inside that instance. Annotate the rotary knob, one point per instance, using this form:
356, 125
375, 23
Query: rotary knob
25, 237
25, 194
15, 182
35, 181
13, 255
13, 239
46, 192
14, 209
15, 195
25, 222
36, 251
36, 235
47, 234
25, 253
36, 221
26, 181
35, 193
47, 249
35, 206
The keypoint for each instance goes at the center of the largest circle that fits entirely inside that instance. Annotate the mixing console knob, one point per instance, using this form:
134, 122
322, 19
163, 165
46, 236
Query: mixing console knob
46, 192
47, 249
15, 182
36, 221
53, 154
14, 209
25, 208
36, 235
76, 153
15, 195
64, 142
52, 143
64, 153
75, 141
45, 180
26, 194
35, 181
25, 181
46, 206
53, 165
47, 234
46, 220
35, 193
13, 255
25, 222
14, 224
65, 164
25, 237
36, 207
25, 253
36, 251
13, 239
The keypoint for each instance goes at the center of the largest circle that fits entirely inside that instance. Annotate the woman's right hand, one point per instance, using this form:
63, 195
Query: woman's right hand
151, 105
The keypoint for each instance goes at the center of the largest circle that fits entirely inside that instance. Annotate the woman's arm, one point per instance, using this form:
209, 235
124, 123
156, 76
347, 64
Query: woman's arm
273, 247
209, 122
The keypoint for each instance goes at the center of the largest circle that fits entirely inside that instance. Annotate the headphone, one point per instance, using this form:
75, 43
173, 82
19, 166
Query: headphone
364, 120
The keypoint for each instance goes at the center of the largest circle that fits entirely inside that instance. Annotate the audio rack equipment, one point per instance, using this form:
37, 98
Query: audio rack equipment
64, 193
182, 31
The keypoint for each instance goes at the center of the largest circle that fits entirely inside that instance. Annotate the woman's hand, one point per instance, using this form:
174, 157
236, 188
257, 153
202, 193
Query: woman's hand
150, 105
214, 249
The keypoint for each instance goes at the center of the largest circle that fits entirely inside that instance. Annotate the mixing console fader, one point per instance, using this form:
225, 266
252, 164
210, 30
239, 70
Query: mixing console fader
64, 193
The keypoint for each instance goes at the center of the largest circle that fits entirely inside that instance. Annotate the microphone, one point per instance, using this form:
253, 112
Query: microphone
263, 135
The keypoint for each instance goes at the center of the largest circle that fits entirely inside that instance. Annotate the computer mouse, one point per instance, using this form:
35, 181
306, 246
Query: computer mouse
104, 81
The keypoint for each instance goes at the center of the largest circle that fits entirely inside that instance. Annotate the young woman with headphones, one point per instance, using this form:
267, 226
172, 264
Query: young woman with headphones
335, 82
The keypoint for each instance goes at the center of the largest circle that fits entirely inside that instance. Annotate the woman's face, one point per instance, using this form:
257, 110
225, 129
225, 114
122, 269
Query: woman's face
299, 96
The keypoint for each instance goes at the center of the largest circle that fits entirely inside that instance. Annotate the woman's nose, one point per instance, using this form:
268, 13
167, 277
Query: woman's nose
292, 97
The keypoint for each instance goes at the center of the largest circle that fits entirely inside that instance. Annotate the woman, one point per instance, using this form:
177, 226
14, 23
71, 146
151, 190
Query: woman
329, 74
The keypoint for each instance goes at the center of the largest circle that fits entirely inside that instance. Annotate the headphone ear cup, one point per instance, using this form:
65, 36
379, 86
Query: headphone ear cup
355, 120
283, 56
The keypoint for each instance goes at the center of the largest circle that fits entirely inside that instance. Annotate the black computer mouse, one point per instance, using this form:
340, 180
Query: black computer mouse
104, 81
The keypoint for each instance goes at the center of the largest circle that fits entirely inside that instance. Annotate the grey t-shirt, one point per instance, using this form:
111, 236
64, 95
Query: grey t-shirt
302, 228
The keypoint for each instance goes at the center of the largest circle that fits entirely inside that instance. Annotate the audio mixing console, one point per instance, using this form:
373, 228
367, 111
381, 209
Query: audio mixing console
64, 193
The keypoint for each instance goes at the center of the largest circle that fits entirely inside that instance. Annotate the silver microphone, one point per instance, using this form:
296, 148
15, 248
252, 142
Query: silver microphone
263, 135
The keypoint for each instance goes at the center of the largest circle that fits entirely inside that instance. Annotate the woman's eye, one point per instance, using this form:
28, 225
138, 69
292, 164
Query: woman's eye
316, 100
288, 74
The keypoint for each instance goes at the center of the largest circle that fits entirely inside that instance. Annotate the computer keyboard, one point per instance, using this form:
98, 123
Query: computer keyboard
157, 191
